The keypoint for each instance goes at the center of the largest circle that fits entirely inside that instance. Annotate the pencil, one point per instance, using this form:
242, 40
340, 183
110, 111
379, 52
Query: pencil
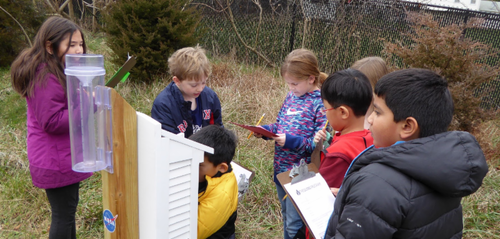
262, 117
325, 125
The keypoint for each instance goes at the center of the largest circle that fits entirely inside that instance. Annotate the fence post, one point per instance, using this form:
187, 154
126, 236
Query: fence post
466, 19
292, 33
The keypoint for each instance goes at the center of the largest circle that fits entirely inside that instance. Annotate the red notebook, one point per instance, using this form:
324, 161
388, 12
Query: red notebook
257, 130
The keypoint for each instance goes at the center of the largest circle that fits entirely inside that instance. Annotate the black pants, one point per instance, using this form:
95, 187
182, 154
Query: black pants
63, 202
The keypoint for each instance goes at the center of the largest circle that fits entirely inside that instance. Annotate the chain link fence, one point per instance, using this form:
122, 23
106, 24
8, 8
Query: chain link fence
338, 32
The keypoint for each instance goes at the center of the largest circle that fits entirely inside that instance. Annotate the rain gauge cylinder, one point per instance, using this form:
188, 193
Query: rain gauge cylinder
89, 113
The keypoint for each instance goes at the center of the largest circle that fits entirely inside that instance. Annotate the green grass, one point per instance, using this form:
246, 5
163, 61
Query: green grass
246, 92
26, 211
13, 106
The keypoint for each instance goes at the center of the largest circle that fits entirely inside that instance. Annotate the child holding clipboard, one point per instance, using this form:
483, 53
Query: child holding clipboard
300, 117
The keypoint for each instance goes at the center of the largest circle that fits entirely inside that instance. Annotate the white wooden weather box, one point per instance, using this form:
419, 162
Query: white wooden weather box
168, 166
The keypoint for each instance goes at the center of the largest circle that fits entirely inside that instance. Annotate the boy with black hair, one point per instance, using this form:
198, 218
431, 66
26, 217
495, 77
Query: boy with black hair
411, 183
218, 189
346, 95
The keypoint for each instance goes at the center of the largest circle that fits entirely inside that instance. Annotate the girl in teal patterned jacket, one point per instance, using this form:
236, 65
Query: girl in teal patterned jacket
300, 117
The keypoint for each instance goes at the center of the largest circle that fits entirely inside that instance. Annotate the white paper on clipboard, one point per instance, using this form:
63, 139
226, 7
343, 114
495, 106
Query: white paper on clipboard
314, 201
243, 176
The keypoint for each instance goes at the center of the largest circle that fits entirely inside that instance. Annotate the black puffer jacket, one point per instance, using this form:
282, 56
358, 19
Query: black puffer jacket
409, 190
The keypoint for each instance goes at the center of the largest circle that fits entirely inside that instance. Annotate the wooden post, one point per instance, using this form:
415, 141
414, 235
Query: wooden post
120, 189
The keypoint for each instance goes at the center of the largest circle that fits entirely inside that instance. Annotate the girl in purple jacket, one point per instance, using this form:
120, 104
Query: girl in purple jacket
38, 75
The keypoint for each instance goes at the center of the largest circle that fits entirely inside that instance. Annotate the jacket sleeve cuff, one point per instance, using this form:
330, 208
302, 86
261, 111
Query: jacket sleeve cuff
292, 141
268, 129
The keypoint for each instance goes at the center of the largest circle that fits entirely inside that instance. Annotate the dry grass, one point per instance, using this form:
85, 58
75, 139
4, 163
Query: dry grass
246, 92
482, 209
488, 135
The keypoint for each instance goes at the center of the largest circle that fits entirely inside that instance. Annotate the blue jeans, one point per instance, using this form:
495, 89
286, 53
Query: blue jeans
291, 218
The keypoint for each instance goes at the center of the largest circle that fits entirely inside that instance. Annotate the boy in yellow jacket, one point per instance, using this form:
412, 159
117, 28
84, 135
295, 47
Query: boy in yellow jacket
217, 189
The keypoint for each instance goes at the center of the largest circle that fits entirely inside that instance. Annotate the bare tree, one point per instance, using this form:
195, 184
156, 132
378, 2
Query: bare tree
94, 11
21, 26
58, 8
225, 7
70, 10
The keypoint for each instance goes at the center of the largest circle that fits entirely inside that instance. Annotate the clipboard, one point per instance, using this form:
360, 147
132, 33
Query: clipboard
122, 74
244, 177
256, 129
316, 210
285, 178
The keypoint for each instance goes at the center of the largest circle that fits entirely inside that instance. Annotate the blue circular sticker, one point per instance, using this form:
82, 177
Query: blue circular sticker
109, 220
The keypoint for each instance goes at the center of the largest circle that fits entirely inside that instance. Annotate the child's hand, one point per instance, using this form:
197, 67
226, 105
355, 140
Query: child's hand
320, 135
257, 134
335, 191
281, 139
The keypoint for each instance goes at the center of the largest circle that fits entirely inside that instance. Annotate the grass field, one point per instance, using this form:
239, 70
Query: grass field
246, 92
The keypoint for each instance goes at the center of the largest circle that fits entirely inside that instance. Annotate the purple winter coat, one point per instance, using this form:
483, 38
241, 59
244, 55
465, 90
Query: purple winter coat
49, 150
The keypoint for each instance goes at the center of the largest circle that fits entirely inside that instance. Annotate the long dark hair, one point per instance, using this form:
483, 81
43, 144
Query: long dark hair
24, 68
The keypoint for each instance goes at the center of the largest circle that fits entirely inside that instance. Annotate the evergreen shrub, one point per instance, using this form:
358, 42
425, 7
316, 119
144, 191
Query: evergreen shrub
12, 38
151, 31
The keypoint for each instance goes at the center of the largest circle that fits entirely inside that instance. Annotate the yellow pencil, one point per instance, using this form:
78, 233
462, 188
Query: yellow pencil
325, 125
251, 133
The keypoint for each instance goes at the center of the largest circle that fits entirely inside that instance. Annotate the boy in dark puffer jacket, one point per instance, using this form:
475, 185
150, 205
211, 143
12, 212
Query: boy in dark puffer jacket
411, 183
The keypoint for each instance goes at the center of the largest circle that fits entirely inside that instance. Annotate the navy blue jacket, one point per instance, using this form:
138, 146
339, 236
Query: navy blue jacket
174, 113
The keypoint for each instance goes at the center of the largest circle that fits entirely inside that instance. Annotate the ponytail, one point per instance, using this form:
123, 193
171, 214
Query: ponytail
321, 78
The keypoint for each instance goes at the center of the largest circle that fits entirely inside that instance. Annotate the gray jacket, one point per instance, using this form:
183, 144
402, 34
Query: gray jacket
409, 190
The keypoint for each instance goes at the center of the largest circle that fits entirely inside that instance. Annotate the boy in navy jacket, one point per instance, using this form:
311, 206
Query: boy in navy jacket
186, 104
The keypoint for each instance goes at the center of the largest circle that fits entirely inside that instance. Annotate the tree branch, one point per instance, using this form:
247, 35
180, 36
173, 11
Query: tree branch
229, 14
231, 19
50, 5
260, 21
61, 8
55, 10
27, 38
208, 6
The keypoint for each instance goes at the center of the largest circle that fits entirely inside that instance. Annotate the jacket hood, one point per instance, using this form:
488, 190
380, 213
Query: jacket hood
452, 163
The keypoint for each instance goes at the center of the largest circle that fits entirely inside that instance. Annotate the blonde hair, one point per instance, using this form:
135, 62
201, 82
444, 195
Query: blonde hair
373, 67
302, 63
189, 63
